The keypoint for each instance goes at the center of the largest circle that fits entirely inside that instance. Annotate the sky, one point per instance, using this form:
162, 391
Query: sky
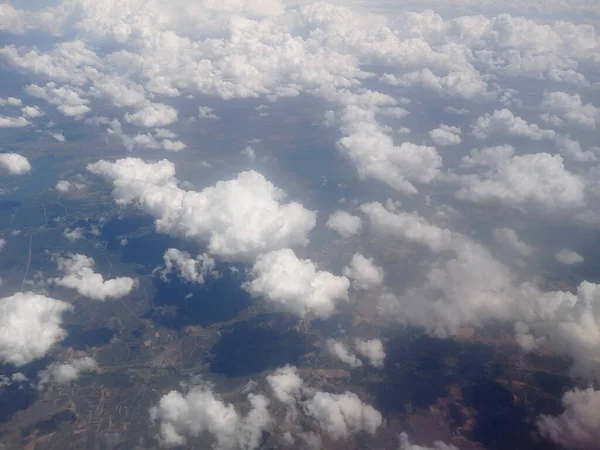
450, 149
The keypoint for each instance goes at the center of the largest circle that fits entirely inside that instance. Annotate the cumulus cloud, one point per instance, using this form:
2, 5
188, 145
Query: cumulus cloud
78, 273
74, 234
341, 415
14, 164
346, 224
200, 412
64, 186
537, 180
509, 238
286, 384
10, 101
568, 257
153, 115
578, 427
372, 350
561, 108
67, 372
13, 122
290, 284
438, 445
30, 325
189, 269
339, 351
238, 218
364, 273
446, 135
503, 121
68, 99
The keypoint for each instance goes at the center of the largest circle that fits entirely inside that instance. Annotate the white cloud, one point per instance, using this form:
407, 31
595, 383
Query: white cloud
199, 412
295, 285
568, 257
578, 427
508, 237
74, 234
286, 384
30, 325
58, 136
191, 270
561, 108
505, 122
250, 153
364, 273
14, 164
204, 112
10, 101
153, 115
372, 350
239, 218
31, 112
64, 186
13, 122
438, 445
67, 372
78, 273
341, 415
537, 180
339, 351
346, 224
67, 98
445, 135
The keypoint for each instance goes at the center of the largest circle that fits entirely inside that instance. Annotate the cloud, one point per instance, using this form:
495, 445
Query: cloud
67, 372
372, 350
153, 115
340, 415
561, 108
568, 257
204, 112
238, 218
505, 122
67, 98
10, 101
78, 273
438, 445
346, 224
14, 164
339, 351
191, 270
364, 273
199, 411
64, 186
508, 238
31, 112
290, 284
30, 325
537, 180
13, 122
74, 234
286, 384
445, 135
578, 427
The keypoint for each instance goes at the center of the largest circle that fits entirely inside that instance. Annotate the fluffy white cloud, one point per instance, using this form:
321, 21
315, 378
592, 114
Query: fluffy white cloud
199, 412
578, 427
14, 164
286, 384
78, 273
192, 270
64, 186
30, 325
537, 180
346, 224
339, 351
438, 445
364, 273
568, 257
74, 234
445, 135
239, 218
340, 415
153, 115
67, 372
68, 99
295, 285
561, 108
505, 122
10, 101
204, 112
508, 238
13, 122
31, 112
372, 350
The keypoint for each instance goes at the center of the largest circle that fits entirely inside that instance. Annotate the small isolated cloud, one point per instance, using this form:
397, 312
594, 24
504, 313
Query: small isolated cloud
64, 186
30, 325
286, 384
10, 101
67, 372
364, 273
344, 223
13, 122
74, 234
200, 412
204, 112
191, 270
78, 273
578, 427
339, 351
31, 112
445, 135
57, 136
568, 257
372, 350
296, 286
249, 153
14, 164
